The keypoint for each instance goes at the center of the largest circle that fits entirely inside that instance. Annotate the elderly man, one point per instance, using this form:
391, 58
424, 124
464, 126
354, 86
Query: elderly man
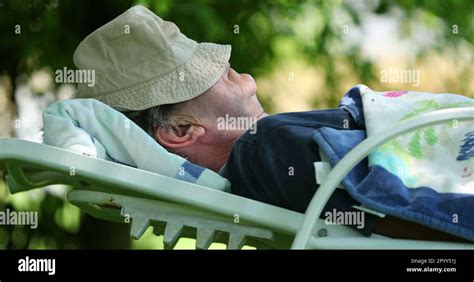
179, 91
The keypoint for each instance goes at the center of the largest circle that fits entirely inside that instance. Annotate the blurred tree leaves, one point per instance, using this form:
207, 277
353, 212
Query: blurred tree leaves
262, 33
52, 29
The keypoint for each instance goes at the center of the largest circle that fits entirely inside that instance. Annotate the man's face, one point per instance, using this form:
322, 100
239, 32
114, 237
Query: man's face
233, 95
210, 137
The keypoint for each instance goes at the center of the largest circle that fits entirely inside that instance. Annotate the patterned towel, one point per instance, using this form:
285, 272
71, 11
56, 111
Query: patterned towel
425, 176
440, 157
91, 128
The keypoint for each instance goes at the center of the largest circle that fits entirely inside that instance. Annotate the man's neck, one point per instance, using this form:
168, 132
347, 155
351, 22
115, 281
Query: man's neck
223, 151
220, 156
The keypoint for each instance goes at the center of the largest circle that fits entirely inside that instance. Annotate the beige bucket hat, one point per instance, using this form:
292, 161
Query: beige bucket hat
141, 61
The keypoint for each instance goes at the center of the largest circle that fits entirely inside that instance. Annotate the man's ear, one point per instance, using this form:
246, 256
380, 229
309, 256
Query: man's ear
178, 136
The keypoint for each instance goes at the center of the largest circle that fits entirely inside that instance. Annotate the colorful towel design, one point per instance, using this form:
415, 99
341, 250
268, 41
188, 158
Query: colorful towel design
440, 157
425, 176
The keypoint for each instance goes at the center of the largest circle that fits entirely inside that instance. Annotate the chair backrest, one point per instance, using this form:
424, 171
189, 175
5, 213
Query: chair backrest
31, 165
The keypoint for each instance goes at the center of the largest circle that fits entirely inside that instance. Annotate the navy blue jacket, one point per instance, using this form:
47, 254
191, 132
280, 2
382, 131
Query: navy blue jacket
275, 164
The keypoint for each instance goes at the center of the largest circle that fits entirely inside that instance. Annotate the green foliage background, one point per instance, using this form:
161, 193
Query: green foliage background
269, 32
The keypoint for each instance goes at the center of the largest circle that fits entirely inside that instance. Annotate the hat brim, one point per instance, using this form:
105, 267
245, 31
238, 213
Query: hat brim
205, 67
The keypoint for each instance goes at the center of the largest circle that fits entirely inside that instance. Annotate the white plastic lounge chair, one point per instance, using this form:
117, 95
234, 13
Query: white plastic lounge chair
177, 208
